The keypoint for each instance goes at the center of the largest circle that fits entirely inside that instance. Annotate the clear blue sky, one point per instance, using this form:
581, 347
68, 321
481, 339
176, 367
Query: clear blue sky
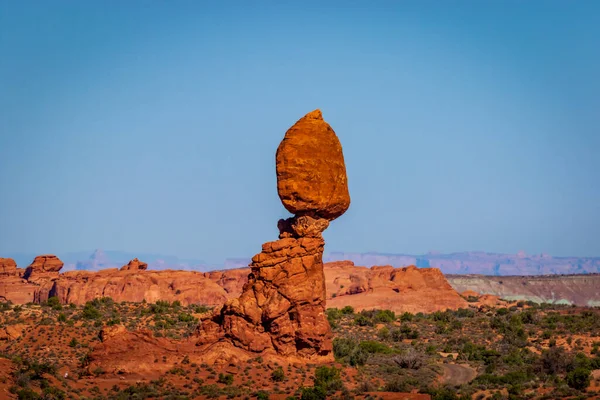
152, 126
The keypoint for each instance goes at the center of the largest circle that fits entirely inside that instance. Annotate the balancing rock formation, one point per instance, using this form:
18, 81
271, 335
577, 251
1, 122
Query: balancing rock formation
282, 306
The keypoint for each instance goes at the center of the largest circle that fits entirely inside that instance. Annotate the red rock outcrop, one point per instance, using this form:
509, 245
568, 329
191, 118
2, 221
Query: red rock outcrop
43, 266
311, 173
8, 267
282, 307
347, 284
408, 289
42, 272
135, 265
188, 287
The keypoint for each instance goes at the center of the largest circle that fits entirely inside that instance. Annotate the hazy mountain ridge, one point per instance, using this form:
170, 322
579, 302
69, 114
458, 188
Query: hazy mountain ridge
480, 263
99, 259
462, 263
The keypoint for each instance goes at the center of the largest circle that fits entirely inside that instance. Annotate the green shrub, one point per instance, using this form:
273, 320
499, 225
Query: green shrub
579, 378
348, 310
363, 320
54, 303
373, 347
278, 375
328, 378
314, 393
90, 311
384, 316
227, 379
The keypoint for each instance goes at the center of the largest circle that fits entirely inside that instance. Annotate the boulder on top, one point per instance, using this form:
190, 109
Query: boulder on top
311, 174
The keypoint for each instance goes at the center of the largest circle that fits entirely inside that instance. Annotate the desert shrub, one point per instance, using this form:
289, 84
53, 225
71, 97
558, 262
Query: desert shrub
464, 313
5, 306
200, 309
405, 317
529, 317
139, 391
373, 347
278, 375
347, 350
103, 302
61, 317
226, 379
333, 316
348, 310
54, 303
160, 307
343, 347
404, 332
401, 384
579, 378
90, 311
409, 358
328, 378
363, 320
384, 333
554, 361
53, 393
443, 316
26, 394
262, 395
445, 393
384, 316
358, 357
313, 393
185, 317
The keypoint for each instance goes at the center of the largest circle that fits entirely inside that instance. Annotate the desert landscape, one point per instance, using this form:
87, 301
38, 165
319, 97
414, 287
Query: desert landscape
291, 326
343, 200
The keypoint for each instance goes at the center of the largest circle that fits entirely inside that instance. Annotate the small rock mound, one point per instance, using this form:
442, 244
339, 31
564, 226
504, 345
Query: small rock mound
135, 265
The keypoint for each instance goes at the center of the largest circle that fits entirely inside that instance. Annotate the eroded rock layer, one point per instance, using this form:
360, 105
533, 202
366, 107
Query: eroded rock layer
282, 307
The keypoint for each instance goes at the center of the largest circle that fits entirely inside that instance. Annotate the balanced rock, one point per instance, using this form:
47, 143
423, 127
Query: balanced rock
311, 174
135, 265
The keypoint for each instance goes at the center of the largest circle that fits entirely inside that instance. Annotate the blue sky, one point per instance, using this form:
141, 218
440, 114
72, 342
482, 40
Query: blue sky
152, 126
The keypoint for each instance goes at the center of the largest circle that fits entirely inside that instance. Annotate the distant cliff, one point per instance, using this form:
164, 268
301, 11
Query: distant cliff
478, 262
581, 290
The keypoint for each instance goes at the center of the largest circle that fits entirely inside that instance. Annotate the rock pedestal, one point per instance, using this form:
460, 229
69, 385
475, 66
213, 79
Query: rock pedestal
282, 307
